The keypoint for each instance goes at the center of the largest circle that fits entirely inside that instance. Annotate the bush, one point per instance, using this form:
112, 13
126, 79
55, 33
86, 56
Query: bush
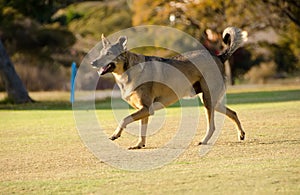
42, 79
41, 75
261, 73
54, 38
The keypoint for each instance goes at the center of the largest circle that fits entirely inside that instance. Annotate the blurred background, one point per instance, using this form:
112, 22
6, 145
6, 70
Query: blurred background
43, 37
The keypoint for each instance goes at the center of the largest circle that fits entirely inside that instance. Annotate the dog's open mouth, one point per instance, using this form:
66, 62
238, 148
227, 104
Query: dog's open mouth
106, 69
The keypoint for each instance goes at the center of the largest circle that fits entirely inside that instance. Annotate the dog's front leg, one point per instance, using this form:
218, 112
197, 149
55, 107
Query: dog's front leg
210, 117
140, 114
143, 131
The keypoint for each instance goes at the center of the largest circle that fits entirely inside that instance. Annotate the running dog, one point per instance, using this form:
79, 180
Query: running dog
148, 86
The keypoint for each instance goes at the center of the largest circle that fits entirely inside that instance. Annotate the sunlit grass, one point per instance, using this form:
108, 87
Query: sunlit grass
42, 153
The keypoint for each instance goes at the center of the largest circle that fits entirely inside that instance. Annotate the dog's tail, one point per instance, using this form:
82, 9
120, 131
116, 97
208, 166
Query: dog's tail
234, 38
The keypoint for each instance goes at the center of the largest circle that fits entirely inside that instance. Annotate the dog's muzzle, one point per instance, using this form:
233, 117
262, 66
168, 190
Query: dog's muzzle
106, 69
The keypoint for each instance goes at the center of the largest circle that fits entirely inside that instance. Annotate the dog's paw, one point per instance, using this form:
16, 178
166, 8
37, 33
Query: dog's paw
242, 136
136, 147
114, 137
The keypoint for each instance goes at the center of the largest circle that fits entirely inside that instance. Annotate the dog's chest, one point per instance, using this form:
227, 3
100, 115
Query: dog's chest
134, 101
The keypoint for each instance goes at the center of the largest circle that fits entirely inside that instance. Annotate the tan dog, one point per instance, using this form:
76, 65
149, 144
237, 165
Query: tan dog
149, 83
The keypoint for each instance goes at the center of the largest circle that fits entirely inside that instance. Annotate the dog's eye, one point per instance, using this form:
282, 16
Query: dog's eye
109, 53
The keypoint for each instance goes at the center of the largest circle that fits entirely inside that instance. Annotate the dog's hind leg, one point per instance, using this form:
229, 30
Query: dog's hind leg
143, 131
140, 114
233, 116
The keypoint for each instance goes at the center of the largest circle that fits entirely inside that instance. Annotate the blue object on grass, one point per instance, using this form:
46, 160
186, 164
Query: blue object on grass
73, 75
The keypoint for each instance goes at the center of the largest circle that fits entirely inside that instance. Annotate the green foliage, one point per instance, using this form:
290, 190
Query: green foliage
40, 43
65, 16
290, 44
195, 17
53, 38
61, 31
285, 53
39, 10
88, 20
97, 18
283, 57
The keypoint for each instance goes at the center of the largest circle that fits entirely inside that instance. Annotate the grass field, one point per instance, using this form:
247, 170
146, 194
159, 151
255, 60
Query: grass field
42, 153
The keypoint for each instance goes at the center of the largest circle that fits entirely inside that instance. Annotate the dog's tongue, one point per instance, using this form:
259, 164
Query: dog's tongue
103, 70
100, 71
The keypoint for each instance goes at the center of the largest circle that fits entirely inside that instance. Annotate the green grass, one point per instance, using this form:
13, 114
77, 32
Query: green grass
42, 153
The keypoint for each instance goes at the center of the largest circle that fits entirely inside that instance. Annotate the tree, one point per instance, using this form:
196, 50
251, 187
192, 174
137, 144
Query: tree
288, 8
35, 47
217, 14
198, 18
14, 87
40, 10
194, 17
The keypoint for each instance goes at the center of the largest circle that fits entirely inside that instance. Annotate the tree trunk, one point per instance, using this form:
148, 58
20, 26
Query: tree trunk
15, 89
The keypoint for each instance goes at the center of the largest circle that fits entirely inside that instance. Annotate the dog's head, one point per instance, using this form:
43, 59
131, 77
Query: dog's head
110, 56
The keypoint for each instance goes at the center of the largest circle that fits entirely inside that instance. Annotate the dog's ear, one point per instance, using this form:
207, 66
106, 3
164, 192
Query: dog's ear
105, 42
123, 41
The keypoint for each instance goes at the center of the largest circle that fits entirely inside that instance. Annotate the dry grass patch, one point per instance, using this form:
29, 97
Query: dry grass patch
42, 153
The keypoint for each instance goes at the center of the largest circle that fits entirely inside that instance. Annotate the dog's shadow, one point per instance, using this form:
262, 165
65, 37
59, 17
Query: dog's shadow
262, 142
